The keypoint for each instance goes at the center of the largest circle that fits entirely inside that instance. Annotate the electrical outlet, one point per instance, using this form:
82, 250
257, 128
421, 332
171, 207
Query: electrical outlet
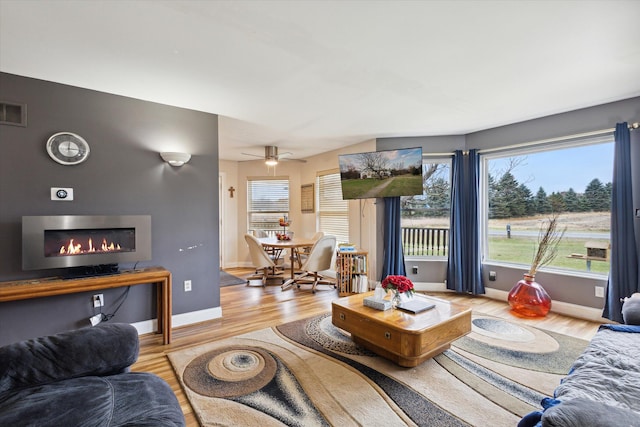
493, 276
98, 300
187, 285
600, 291
415, 269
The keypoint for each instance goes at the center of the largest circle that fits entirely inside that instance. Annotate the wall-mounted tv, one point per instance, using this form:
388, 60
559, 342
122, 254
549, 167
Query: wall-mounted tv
388, 173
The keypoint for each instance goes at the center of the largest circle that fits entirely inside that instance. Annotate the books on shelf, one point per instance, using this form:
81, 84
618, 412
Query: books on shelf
359, 265
351, 270
359, 283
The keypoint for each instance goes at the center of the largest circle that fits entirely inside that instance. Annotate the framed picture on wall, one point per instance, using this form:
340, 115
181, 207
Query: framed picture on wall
306, 198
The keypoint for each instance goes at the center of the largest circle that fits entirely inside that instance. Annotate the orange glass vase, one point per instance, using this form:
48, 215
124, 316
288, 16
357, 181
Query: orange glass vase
529, 299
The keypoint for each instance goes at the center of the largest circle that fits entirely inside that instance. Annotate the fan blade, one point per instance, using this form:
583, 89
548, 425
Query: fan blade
288, 159
252, 155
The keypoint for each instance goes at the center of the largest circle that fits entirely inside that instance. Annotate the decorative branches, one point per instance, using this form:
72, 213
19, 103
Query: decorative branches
548, 240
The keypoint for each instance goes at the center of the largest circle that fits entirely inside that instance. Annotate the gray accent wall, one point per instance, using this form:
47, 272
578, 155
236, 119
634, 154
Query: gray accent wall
570, 288
124, 174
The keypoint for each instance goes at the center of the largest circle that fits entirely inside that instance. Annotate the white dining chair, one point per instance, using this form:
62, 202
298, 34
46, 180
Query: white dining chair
319, 259
261, 261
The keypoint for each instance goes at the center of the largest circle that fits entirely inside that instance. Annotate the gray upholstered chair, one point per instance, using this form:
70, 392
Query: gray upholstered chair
261, 260
319, 259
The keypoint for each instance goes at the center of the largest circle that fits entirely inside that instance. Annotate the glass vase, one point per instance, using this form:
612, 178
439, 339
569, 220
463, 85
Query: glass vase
528, 298
395, 299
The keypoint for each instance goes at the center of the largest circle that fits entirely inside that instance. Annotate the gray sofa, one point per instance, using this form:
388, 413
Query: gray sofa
603, 386
82, 378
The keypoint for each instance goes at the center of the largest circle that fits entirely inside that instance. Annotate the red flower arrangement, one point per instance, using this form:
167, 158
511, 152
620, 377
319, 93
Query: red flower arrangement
398, 284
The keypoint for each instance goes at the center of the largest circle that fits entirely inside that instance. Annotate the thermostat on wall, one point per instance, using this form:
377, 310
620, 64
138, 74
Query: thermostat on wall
62, 194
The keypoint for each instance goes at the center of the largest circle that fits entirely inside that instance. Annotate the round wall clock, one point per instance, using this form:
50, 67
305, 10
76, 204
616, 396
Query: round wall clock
67, 148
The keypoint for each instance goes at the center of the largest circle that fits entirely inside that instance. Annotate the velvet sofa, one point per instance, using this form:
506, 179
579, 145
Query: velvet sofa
82, 378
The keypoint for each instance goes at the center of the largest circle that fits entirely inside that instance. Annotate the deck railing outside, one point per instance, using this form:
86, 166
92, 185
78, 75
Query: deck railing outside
416, 241
425, 241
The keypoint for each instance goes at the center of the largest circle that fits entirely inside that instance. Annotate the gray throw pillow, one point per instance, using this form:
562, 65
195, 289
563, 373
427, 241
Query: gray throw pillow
631, 310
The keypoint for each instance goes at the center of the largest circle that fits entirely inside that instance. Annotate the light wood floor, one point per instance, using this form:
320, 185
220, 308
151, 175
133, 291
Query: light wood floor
249, 308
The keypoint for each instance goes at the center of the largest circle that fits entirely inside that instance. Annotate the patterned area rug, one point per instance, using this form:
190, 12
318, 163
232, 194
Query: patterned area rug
309, 373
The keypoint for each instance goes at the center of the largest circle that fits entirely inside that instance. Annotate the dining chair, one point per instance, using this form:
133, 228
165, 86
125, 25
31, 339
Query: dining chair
261, 260
319, 259
259, 233
303, 254
275, 254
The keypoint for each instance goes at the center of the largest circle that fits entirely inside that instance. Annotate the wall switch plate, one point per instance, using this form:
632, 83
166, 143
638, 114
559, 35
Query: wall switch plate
600, 291
62, 194
187, 285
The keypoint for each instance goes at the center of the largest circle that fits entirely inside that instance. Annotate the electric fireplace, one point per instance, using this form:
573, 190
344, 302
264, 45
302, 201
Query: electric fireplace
67, 241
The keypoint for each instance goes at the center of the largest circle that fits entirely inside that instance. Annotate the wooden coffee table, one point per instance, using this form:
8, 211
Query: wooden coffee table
404, 338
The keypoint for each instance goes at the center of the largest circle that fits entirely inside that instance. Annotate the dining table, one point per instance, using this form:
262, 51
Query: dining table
294, 245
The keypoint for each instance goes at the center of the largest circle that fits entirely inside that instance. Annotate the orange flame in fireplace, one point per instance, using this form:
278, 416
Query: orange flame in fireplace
71, 248
74, 249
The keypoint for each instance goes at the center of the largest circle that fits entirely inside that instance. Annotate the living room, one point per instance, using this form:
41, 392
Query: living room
124, 168
194, 214
122, 179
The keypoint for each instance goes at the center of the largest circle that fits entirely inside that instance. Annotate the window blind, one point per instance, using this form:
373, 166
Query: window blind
267, 201
333, 212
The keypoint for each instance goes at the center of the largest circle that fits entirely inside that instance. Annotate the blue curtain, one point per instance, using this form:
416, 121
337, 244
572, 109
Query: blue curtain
393, 263
623, 273
464, 271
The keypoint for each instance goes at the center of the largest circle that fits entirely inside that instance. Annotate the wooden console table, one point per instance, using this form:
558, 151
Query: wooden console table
36, 288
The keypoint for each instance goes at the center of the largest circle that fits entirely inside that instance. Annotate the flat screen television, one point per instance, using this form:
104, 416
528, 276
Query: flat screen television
388, 173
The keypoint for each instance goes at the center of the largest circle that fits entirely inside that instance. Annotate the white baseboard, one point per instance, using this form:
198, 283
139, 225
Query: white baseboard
146, 326
430, 287
560, 307
182, 319
235, 265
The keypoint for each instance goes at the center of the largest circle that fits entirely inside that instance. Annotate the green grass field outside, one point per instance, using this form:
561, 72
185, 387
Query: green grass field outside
405, 184
520, 250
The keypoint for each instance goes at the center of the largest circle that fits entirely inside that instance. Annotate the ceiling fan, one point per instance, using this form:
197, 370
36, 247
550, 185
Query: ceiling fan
271, 156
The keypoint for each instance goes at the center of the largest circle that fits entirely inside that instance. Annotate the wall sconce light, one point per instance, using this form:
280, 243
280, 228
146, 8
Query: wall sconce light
175, 159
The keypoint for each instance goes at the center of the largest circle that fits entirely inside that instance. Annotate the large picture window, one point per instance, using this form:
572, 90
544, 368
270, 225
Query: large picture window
333, 212
425, 218
267, 201
524, 187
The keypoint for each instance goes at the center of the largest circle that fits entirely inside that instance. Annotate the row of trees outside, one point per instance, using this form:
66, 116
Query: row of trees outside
508, 198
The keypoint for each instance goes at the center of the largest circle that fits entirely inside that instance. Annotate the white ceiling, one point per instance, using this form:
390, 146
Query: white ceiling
312, 76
